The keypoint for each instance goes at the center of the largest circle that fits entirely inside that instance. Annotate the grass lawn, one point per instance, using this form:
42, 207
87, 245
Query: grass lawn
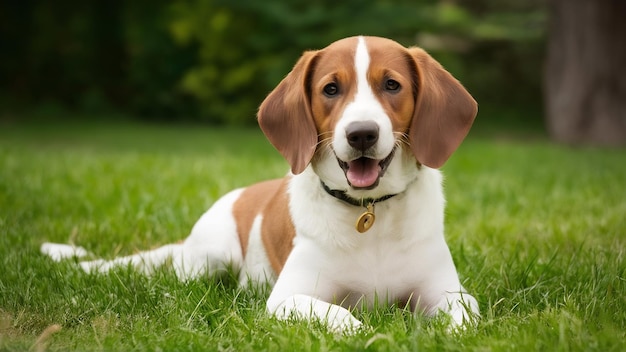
538, 233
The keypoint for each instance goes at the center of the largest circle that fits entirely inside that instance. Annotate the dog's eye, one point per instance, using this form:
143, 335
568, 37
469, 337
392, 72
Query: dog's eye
331, 89
392, 85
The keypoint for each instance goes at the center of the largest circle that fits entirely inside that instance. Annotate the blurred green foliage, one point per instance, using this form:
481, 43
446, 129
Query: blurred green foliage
215, 60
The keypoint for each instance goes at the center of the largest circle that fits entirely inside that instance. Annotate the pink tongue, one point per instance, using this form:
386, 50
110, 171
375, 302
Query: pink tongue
363, 172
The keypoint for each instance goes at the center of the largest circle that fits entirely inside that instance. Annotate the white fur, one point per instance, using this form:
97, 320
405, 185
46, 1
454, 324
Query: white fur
332, 269
256, 266
59, 252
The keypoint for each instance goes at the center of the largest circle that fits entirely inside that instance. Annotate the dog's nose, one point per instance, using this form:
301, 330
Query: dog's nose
362, 134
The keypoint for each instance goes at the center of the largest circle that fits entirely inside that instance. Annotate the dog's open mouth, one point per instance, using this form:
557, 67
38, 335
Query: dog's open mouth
364, 172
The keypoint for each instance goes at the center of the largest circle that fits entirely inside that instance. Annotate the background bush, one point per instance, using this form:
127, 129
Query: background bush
215, 60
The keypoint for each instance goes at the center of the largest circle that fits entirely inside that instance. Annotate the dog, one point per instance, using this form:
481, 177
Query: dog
364, 125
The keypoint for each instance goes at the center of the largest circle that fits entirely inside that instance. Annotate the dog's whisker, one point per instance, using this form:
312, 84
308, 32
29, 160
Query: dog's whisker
401, 142
323, 143
401, 139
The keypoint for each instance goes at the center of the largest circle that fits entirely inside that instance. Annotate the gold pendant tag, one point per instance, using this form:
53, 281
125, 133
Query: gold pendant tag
366, 220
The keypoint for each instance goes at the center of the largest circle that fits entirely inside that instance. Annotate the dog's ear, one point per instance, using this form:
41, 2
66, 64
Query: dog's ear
444, 112
285, 115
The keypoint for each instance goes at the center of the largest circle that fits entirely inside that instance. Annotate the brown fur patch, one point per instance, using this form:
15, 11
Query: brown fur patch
335, 64
277, 230
269, 199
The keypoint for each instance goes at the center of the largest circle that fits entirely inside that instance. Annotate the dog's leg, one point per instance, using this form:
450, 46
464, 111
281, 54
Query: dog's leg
440, 290
212, 246
189, 259
304, 291
144, 261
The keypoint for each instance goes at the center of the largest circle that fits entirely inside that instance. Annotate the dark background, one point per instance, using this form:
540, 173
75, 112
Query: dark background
215, 60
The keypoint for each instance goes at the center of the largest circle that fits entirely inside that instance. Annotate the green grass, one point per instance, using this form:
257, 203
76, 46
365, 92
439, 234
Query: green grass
538, 232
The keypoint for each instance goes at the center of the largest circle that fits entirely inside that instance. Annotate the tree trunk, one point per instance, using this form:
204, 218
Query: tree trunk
586, 72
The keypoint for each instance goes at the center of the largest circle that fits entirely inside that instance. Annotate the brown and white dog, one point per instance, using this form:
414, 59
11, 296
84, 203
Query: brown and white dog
363, 123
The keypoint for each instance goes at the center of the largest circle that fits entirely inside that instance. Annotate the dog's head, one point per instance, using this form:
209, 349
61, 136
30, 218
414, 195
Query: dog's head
363, 106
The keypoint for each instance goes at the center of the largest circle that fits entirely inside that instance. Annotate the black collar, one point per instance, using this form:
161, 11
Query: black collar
343, 195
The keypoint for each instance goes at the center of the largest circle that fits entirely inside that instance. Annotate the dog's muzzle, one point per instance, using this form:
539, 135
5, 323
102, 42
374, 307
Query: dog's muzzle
364, 171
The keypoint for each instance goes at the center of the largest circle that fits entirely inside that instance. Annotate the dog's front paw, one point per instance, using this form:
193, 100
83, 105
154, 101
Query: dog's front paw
303, 307
343, 322
462, 310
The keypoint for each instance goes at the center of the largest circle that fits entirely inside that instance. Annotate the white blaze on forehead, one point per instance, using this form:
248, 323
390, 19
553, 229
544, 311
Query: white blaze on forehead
362, 64
364, 107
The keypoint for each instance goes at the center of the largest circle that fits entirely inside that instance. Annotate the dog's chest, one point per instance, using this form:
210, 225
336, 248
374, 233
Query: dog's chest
377, 259
379, 269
